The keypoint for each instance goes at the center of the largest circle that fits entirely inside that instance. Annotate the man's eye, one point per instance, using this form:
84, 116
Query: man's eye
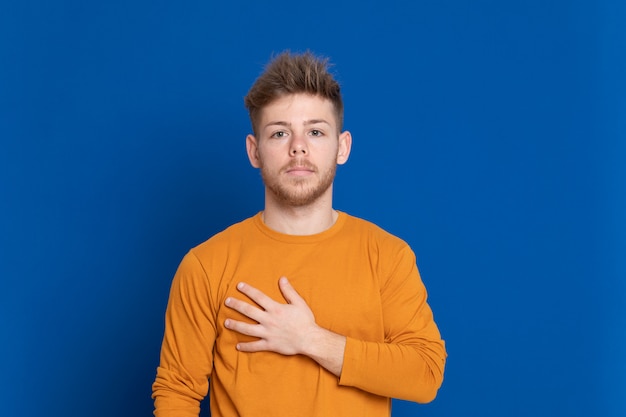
316, 132
278, 135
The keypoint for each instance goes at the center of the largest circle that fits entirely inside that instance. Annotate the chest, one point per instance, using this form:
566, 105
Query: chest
341, 285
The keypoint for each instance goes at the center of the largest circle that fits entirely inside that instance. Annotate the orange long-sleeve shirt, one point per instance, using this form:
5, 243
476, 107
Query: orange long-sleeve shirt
358, 280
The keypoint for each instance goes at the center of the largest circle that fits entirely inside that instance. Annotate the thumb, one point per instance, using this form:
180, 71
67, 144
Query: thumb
290, 293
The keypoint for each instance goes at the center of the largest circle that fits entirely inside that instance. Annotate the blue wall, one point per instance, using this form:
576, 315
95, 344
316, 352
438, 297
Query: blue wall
488, 134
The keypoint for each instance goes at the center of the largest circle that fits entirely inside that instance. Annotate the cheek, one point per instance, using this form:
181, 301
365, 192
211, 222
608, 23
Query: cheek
270, 154
266, 159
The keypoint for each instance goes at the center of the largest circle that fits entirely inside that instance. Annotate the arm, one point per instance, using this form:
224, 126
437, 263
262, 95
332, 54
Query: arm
408, 364
186, 354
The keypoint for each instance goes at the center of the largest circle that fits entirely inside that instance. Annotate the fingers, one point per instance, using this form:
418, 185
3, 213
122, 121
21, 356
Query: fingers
255, 295
243, 328
247, 309
289, 292
256, 346
244, 308
279, 327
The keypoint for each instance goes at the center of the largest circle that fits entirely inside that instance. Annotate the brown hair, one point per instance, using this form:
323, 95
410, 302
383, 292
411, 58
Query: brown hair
289, 73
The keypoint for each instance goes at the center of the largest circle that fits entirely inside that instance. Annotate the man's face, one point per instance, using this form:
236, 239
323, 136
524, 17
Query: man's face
298, 148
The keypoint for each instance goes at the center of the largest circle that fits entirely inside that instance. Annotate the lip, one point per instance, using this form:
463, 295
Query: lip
299, 170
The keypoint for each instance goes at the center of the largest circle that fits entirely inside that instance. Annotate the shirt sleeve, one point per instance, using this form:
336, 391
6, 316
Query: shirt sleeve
187, 350
409, 364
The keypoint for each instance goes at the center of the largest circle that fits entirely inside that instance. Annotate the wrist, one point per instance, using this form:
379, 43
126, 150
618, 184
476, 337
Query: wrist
326, 348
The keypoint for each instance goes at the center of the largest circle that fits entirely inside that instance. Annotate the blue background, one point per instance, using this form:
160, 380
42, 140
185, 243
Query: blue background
490, 135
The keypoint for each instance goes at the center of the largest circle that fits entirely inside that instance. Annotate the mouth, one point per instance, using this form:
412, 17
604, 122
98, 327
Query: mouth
300, 169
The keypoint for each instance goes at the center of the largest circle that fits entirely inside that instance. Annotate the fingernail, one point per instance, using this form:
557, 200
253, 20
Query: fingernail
240, 285
227, 323
227, 302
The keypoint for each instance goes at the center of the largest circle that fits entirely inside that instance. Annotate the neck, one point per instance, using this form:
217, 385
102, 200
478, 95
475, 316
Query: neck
303, 220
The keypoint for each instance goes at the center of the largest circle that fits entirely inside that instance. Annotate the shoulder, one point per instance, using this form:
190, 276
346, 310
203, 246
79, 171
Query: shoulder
223, 241
373, 232
390, 255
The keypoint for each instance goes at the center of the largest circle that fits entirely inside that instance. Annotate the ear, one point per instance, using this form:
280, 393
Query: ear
345, 145
253, 151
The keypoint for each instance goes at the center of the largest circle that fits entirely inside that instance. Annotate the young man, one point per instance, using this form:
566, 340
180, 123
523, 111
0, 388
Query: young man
300, 310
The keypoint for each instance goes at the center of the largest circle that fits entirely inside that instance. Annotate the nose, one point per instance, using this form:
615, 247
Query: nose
298, 146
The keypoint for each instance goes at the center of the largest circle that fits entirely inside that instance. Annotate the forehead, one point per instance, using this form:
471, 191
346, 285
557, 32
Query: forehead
293, 108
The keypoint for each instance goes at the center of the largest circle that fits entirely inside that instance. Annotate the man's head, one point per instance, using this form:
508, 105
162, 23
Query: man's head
289, 74
297, 114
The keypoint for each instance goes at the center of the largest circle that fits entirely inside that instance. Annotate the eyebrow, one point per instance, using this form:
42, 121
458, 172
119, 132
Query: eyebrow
315, 121
306, 123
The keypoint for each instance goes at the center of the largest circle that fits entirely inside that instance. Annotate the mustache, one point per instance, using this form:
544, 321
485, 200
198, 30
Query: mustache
300, 163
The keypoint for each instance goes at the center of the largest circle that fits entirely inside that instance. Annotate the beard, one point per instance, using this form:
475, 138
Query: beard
298, 192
